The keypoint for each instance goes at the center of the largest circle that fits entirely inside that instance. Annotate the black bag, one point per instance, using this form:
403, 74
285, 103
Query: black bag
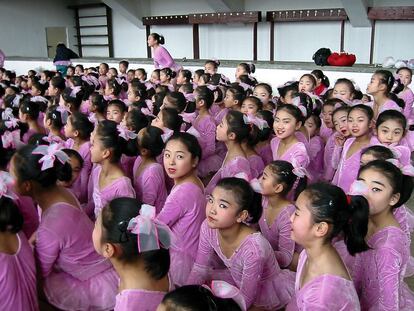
321, 56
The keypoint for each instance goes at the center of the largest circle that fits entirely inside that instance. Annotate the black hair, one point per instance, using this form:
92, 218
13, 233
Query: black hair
73, 153
157, 37
255, 101
115, 86
366, 109
124, 62
169, 72
197, 297
246, 79
310, 76
204, 93
246, 198
178, 100
293, 111
328, 203
59, 83
81, 123
41, 87
136, 120
55, 116
394, 115
30, 108
320, 75
289, 86
379, 152
399, 182
11, 220
109, 136
348, 83
215, 63
75, 101
38, 139
187, 88
99, 102
119, 104
405, 68
171, 119
27, 167
186, 74
139, 89
399, 101
238, 93
242, 131
266, 115
333, 101
199, 72
266, 86
249, 68
206, 77
283, 174
115, 218
152, 141
189, 141
105, 65
142, 70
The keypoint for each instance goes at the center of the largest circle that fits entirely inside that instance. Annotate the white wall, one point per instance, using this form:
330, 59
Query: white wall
23, 24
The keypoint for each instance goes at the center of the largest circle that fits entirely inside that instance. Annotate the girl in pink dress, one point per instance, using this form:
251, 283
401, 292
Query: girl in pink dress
167, 76
265, 136
232, 131
78, 130
405, 74
344, 89
327, 127
251, 105
73, 276
349, 152
277, 181
227, 237
307, 83
234, 97
108, 142
263, 91
149, 179
379, 272
18, 271
28, 113
54, 120
316, 147
162, 57
322, 280
140, 258
204, 128
71, 98
183, 210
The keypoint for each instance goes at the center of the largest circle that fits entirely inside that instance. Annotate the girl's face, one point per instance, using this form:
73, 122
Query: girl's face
130, 75
70, 72
131, 96
239, 72
379, 196
113, 113
365, 98
302, 223
151, 41
222, 210
180, 78
261, 93
97, 149
52, 91
102, 70
289, 96
18, 186
285, 124
35, 91
306, 84
374, 85
68, 129
76, 169
358, 123
167, 104
78, 71
111, 74
267, 182
209, 68
178, 161
108, 90
405, 77
22, 116
158, 122
122, 68
390, 132
249, 107
229, 100
196, 79
327, 111
342, 91
311, 127
139, 75
340, 122
24, 86
222, 130
155, 77
164, 78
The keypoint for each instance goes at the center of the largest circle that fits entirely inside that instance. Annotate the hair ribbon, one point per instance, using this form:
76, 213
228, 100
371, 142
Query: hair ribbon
251, 119
50, 154
224, 290
125, 133
6, 185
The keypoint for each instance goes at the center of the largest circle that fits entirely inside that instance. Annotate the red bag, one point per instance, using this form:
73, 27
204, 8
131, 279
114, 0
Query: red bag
341, 59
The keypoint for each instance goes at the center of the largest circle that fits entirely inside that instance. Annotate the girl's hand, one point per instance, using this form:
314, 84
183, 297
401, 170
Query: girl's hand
340, 140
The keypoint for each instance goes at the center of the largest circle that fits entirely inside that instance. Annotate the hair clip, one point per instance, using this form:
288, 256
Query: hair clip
296, 102
50, 154
123, 227
358, 187
125, 133
167, 134
11, 139
6, 184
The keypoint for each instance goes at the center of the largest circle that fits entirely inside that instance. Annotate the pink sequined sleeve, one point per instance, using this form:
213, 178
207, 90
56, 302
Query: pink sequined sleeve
286, 247
47, 250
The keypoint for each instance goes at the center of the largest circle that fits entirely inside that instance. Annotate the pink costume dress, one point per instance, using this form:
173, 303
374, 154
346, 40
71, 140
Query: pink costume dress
74, 276
325, 292
347, 168
122, 187
30, 214
265, 152
316, 155
139, 299
163, 59
205, 130
389, 104
127, 165
27, 135
328, 169
183, 212
80, 186
253, 268
325, 132
278, 233
256, 165
408, 97
149, 185
18, 278
379, 272
230, 169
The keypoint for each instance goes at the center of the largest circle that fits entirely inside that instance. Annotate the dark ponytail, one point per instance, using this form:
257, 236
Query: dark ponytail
356, 228
157, 37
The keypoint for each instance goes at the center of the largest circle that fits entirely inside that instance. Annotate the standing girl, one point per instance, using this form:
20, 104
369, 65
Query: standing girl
226, 238
183, 209
73, 276
162, 58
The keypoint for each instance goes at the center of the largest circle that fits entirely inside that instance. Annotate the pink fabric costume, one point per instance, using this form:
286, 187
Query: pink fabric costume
232, 168
163, 59
183, 212
388, 105
379, 272
278, 233
30, 214
316, 155
149, 185
74, 276
324, 292
27, 135
408, 97
18, 278
121, 187
265, 152
253, 267
80, 186
127, 165
256, 165
297, 151
328, 169
325, 132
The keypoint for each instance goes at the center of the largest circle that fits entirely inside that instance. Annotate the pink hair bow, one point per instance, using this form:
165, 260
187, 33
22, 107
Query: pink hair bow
337, 105
394, 162
11, 139
147, 112
245, 86
296, 102
151, 234
75, 90
53, 139
167, 134
12, 123
299, 170
7, 114
38, 99
6, 184
119, 80
125, 133
188, 117
64, 113
190, 97
50, 154
256, 186
192, 130
224, 290
149, 85
358, 187
16, 100
150, 104
92, 118
408, 170
251, 119
211, 87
